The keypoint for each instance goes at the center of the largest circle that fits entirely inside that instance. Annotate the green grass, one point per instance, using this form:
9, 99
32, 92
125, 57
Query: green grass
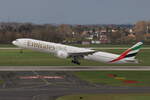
106, 97
13, 57
6, 45
102, 77
107, 45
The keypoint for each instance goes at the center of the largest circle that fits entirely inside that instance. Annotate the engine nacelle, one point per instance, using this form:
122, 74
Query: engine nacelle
62, 54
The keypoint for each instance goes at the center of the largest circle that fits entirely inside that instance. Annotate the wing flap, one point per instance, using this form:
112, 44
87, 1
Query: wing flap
82, 53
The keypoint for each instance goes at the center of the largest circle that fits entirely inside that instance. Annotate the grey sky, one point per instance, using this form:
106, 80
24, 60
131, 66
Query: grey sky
75, 11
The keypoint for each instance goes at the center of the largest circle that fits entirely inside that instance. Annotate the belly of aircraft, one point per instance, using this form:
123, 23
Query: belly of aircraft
101, 57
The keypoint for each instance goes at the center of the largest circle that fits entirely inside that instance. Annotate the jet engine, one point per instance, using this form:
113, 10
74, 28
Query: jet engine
62, 54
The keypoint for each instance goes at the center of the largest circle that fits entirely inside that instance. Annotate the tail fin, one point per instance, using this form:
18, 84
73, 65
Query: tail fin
129, 53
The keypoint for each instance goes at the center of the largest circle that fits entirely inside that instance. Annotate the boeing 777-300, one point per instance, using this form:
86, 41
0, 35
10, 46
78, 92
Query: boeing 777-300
77, 53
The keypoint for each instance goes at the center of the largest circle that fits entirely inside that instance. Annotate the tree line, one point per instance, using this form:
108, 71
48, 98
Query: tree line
64, 32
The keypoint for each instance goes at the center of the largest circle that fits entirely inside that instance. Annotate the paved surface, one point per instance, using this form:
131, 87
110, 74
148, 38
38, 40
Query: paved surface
15, 88
73, 68
47, 93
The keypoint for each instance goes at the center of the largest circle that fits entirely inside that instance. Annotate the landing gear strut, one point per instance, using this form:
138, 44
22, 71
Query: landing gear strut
75, 61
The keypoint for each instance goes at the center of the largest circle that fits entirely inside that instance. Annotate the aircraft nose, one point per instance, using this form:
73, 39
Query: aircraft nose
14, 42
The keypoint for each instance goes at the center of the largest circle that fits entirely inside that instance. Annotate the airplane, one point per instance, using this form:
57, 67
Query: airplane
77, 53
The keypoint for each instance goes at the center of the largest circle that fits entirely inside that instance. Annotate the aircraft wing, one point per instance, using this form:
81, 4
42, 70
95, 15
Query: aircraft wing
82, 53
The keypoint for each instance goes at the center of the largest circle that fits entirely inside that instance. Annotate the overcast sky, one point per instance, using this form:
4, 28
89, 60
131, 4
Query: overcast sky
75, 11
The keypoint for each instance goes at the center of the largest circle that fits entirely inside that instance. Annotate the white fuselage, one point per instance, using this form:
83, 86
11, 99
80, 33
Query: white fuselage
49, 47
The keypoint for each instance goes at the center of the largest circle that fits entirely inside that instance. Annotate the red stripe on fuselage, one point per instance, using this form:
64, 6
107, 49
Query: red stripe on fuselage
121, 56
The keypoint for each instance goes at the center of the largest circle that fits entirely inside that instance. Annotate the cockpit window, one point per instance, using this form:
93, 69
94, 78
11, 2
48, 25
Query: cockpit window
17, 40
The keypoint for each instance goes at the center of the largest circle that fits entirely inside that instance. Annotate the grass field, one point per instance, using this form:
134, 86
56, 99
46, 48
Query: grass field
6, 45
13, 57
121, 78
106, 45
106, 97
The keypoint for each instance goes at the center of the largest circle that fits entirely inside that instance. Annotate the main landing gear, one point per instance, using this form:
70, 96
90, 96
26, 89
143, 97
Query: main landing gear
75, 60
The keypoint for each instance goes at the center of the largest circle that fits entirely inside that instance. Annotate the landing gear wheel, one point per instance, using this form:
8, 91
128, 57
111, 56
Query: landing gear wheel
75, 61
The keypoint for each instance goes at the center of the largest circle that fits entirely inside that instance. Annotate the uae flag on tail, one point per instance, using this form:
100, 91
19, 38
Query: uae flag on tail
131, 52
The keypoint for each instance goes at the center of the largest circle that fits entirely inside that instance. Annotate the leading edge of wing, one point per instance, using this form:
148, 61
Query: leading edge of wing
82, 53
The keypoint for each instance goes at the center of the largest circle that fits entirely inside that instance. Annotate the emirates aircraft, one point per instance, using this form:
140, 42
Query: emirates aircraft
76, 53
